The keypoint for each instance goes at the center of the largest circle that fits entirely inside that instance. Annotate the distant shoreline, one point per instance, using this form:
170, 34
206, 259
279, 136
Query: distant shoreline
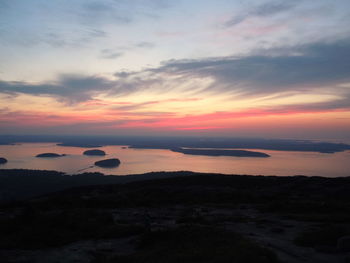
181, 142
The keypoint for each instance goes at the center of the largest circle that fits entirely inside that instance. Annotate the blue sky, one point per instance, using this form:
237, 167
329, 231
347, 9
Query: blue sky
99, 37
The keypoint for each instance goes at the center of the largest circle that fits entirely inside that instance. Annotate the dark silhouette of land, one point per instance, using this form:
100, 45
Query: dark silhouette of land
264, 144
214, 152
94, 152
79, 144
182, 142
108, 163
3, 160
184, 217
49, 155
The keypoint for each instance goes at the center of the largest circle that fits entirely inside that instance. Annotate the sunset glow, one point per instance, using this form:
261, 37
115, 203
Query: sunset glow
215, 68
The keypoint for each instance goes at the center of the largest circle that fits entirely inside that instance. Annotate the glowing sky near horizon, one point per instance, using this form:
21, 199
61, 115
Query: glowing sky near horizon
257, 68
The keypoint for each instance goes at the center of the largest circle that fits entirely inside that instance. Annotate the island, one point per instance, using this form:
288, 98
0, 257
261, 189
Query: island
94, 152
82, 145
108, 163
49, 155
216, 152
241, 143
3, 160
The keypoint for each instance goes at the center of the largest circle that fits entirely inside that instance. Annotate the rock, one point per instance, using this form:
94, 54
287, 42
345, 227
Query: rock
108, 163
94, 152
343, 244
49, 155
3, 160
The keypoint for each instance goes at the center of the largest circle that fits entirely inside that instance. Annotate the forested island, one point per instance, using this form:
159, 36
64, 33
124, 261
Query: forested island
94, 152
219, 152
49, 155
108, 163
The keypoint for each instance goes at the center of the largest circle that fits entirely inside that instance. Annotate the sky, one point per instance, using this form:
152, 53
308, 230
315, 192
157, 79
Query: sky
245, 68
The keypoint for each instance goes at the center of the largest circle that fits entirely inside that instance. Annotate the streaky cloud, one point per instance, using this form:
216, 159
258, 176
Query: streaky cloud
303, 67
263, 10
110, 54
307, 68
69, 88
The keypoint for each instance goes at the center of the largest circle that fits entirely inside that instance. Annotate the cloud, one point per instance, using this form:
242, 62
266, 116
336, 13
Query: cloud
264, 10
110, 54
69, 88
120, 11
145, 44
93, 12
313, 68
68, 23
138, 106
299, 68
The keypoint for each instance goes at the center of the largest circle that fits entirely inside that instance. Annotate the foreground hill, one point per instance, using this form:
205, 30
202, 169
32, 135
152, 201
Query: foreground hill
17, 184
185, 217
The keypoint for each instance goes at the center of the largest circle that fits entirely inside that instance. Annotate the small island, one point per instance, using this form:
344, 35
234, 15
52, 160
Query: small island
216, 152
49, 155
108, 163
94, 152
3, 160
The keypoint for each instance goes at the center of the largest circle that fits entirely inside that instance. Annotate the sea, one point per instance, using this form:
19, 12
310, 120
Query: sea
138, 161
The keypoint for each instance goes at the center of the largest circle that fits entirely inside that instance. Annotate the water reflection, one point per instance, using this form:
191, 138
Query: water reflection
135, 161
